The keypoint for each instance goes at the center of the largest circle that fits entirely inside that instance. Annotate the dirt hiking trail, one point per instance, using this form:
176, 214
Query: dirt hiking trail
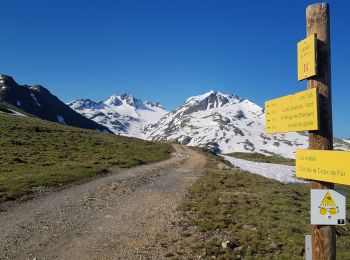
128, 214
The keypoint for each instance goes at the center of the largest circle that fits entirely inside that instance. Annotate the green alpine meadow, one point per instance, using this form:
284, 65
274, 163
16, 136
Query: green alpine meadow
36, 153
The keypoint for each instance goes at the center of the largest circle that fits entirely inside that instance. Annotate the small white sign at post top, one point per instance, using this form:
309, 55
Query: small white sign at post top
328, 207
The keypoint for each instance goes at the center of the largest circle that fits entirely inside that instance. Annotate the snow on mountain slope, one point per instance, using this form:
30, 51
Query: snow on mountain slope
341, 144
281, 173
220, 122
223, 123
122, 114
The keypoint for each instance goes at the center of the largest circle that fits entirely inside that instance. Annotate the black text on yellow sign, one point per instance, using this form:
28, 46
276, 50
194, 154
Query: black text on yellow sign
323, 165
292, 113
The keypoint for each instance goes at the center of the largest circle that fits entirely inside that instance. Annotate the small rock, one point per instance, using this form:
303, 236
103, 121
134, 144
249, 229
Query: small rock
228, 244
169, 254
223, 166
186, 234
225, 244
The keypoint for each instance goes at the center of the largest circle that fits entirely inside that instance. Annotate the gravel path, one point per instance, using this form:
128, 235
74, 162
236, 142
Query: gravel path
129, 214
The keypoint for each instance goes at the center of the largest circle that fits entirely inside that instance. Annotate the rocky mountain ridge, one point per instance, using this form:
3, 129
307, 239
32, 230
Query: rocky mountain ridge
39, 102
217, 121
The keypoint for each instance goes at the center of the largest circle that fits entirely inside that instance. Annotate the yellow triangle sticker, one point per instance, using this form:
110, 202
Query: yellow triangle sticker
328, 201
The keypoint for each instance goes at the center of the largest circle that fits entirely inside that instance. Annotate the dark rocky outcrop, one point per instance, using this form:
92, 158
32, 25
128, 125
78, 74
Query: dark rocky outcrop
39, 102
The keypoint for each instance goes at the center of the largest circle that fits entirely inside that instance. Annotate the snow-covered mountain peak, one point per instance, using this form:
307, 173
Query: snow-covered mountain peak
209, 100
127, 99
81, 104
123, 114
200, 97
114, 100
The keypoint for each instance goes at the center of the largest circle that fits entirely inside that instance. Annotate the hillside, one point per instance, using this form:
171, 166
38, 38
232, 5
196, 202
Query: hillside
36, 154
39, 102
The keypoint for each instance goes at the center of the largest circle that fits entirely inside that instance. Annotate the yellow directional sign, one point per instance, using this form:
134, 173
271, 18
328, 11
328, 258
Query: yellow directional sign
297, 112
323, 165
307, 64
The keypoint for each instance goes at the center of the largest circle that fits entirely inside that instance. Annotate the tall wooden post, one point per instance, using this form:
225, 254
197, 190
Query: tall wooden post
317, 21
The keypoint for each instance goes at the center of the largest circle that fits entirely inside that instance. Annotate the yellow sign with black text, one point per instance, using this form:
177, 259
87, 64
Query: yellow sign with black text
323, 165
307, 58
292, 113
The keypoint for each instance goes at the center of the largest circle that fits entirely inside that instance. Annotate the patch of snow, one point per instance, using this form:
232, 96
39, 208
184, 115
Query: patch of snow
35, 99
13, 113
3, 87
281, 173
18, 103
61, 120
200, 97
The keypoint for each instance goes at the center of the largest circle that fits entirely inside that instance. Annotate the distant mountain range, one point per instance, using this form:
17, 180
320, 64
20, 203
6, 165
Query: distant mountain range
124, 114
217, 121
39, 102
223, 123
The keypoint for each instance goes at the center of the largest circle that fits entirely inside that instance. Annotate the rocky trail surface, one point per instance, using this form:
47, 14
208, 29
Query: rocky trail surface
127, 214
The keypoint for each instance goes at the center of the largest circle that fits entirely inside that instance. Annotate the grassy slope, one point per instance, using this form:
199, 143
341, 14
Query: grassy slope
36, 153
258, 157
264, 218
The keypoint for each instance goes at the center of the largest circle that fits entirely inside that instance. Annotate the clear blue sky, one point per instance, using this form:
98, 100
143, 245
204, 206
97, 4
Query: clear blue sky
168, 50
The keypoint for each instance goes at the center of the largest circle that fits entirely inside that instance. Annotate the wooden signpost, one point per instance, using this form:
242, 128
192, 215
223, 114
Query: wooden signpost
317, 22
322, 167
